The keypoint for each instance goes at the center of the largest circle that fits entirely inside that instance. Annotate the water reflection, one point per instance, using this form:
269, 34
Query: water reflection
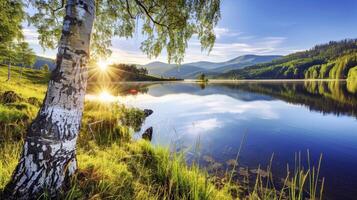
336, 97
279, 117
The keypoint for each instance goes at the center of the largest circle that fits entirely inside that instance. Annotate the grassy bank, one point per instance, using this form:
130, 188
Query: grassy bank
114, 166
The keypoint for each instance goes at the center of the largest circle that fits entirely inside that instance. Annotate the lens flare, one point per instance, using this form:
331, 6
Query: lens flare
105, 96
103, 65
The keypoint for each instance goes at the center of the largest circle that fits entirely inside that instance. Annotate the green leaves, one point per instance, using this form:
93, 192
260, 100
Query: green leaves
47, 21
25, 55
164, 25
11, 15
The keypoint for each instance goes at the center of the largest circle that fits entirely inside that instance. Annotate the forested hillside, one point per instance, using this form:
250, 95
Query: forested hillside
335, 60
41, 61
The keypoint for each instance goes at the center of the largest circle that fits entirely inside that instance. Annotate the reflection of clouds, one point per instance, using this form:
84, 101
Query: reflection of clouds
179, 116
202, 126
185, 105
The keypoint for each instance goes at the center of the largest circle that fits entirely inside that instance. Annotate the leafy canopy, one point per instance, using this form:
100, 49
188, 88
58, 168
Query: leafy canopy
11, 15
25, 55
165, 25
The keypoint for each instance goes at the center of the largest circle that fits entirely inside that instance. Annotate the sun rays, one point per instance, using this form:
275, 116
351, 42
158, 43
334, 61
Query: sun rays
103, 95
102, 65
103, 77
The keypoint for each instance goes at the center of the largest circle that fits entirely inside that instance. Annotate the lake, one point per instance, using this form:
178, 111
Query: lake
280, 118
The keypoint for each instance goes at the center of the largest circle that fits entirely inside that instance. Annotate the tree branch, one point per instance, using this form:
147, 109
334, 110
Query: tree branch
148, 14
59, 8
128, 9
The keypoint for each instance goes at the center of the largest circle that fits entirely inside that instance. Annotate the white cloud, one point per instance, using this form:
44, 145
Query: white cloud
202, 126
222, 32
126, 56
224, 51
128, 50
31, 36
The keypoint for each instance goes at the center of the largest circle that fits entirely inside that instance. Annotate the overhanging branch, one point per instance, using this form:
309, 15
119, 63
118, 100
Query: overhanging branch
149, 15
128, 9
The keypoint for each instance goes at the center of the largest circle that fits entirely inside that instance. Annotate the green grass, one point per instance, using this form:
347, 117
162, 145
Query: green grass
34, 83
114, 166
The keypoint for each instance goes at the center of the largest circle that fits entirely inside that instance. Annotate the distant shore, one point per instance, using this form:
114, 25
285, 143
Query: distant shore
265, 80
223, 81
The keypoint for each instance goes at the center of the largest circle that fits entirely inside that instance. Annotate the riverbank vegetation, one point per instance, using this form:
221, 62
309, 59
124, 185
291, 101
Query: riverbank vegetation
112, 165
337, 97
335, 60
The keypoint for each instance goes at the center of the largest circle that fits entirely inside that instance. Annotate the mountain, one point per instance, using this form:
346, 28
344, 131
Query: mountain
40, 61
184, 71
244, 61
335, 60
192, 70
158, 68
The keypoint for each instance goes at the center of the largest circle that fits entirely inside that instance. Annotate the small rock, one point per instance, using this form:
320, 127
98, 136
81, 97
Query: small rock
148, 112
147, 135
243, 171
208, 159
260, 172
232, 162
9, 97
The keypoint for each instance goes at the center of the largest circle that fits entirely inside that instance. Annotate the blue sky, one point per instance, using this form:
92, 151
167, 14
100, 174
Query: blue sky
253, 27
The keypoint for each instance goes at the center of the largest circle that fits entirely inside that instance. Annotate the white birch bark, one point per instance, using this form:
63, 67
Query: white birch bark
49, 153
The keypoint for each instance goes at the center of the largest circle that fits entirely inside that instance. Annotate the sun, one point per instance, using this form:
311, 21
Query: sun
102, 65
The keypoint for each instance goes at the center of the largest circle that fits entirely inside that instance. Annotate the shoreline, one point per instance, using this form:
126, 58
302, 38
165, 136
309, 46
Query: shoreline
269, 80
230, 81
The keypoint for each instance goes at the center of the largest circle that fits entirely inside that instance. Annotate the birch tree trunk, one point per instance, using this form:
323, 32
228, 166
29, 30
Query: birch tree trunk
49, 153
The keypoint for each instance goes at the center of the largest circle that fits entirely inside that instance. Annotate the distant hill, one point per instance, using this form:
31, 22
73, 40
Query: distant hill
123, 72
335, 60
40, 61
159, 68
244, 61
192, 70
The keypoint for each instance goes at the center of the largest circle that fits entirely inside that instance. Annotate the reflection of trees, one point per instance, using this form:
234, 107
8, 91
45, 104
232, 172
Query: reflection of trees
131, 89
335, 97
352, 85
120, 88
202, 85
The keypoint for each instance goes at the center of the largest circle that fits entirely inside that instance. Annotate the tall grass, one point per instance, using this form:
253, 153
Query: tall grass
299, 183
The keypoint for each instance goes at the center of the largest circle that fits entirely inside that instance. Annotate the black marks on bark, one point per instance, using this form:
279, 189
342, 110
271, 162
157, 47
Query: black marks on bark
49, 153
85, 6
66, 53
81, 52
43, 162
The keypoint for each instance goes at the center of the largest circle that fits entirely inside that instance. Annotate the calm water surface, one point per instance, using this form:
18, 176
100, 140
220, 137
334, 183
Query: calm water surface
278, 117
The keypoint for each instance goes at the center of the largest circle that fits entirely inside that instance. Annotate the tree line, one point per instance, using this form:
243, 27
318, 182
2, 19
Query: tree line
130, 68
334, 60
13, 48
